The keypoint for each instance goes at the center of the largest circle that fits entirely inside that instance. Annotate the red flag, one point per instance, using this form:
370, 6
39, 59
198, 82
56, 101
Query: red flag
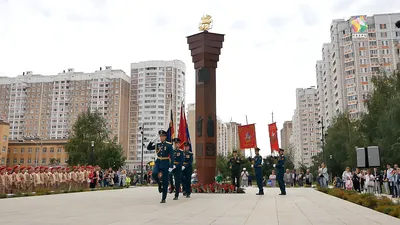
273, 137
247, 136
182, 128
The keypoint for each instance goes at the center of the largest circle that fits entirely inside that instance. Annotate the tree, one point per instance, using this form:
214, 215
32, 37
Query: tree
91, 126
339, 151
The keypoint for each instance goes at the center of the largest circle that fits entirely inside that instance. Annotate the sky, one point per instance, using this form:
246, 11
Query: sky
270, 47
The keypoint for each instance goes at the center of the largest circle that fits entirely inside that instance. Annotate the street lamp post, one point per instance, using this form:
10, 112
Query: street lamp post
141, 159
322, 137
92, 155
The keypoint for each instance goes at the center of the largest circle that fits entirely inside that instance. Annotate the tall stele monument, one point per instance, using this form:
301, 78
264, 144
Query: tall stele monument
205, 48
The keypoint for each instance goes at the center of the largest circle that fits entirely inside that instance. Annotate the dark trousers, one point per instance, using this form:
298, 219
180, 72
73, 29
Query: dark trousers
177, 173
236, 179
281, 183
259, 180
187, 173
164, 179
171, 181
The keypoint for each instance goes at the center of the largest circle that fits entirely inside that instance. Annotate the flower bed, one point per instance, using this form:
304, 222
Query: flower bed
382, 204
214, 188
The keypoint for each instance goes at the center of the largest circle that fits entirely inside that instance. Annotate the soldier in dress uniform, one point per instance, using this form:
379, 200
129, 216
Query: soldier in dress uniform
258, 171
53, 179
16, 180
280, 167
234, 165
37, 182
29, 179
187, 169
74, 178
21, 174
81, 178
164, 163
68, 179
177, 172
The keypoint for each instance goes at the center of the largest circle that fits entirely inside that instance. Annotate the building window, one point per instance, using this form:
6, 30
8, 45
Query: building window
59, 150
14, 161
44, 150
5, 138
21, 161
29, 150
43, 160
384, 34
4, 149
51, 149
29, 161
22, 150
382, 26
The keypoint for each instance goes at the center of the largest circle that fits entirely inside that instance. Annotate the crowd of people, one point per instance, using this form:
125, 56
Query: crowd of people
372, 181
21, 179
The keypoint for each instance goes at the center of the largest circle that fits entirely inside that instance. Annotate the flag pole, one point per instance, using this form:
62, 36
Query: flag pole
251, 152
272, 116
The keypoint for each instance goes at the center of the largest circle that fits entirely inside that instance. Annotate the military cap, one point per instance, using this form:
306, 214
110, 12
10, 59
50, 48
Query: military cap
15, 167
176, 140
29, 167
186, 143
257, 149
67, 169
281, 150
22, 167
162, 133
234, 151
9, 169
2, 168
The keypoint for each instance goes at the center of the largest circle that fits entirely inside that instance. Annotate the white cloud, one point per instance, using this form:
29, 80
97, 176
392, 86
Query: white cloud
270, 47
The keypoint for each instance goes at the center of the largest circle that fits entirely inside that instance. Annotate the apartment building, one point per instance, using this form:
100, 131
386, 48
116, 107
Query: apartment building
360, 48
155, 86
286, 132
233, 136
306, 133
4, 131
222, 138
191, 120
46, 107
36, 152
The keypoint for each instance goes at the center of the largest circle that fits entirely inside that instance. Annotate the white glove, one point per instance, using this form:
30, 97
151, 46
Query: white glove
174, 167
274, 165
183, 167
252, 166
170, 169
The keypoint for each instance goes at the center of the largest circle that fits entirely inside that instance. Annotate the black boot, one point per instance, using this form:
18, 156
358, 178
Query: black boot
162, 201
159, 188
176, 198
260, 193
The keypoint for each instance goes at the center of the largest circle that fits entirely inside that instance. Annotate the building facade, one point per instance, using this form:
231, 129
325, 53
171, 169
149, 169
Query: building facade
191, 120
155, 87
4, 132
233, 136
306, 133
286, 132
222, 138
46, 107
350, 61
36, 152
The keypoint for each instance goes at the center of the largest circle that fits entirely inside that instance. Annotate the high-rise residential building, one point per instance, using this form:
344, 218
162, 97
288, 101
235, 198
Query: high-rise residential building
306, 134
354, 55
46, 107
233, 136
155, 86
286, 132
4, 132
222, 138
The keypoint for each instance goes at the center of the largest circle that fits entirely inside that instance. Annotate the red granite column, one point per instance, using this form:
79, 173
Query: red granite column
205, 49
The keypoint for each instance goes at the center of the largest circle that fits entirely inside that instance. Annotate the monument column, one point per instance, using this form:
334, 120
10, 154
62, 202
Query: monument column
205, 49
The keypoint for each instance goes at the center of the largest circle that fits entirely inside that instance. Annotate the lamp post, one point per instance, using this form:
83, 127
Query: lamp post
322, 138
141, 159
92, 155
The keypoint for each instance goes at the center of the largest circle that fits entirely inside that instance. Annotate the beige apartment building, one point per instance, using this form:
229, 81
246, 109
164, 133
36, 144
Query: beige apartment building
4, 131
46, 107
191, 120
156, 86
351, 59
306, 131
286, 132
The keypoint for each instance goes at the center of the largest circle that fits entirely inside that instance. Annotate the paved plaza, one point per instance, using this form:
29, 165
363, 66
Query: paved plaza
141, 206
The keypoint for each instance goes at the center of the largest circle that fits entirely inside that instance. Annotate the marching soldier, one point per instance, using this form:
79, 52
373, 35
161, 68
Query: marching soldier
74, 179
37, 182
234, 164
9, 181
81, 178
258, 171
29, 180
177, 172
280, 171
16, 180
164, 163
187, 169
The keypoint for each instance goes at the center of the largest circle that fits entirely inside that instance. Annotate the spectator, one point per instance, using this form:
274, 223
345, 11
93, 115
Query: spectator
287, 178
194, 177
324, 176
347, 179
385, 182
390, 179
272, 178
293, 178
369, 182
123, 178
309, 178
356, 180
245, 178
378, 181
300, 178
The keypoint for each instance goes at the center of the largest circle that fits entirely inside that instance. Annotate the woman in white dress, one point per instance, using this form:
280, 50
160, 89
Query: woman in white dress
369, 182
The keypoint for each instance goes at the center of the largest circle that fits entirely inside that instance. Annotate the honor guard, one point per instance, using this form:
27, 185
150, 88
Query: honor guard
234, 165
258, 171
177, 172
280, 167
164, 163
187, 169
